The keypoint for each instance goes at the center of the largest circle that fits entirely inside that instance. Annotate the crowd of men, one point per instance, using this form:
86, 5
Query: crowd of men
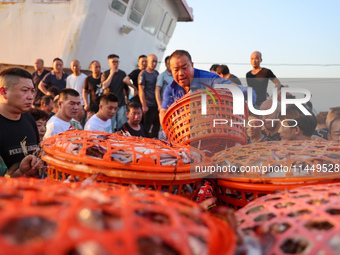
35, 107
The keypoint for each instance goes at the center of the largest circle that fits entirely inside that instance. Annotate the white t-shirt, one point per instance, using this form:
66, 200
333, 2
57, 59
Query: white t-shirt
55, 126
97, 124
76, 83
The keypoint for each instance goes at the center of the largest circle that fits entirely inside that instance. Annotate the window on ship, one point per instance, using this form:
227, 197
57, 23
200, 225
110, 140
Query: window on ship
167, 28
153, 17
137, 10
120, 5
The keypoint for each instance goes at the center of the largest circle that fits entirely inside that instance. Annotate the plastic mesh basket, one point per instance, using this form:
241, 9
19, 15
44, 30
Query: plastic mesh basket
58, 218
145, 162
184, 123
257, 169
304, 220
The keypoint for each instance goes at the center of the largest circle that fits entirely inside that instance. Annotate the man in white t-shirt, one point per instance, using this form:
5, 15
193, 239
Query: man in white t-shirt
68, 108
76, 80
107, 109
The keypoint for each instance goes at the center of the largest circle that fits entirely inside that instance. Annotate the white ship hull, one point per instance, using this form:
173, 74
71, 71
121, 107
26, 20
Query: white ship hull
79, 29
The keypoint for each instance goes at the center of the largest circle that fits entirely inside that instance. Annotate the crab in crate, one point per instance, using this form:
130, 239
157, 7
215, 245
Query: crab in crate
258, 169
93, 218
148, 163
304, 220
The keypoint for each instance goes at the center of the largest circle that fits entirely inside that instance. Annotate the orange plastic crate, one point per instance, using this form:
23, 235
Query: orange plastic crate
148, 163
184, 123
44, 217
304, 220
236, 188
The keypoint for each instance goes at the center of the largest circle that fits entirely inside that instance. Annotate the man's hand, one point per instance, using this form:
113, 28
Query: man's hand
29, 166
161, 115
145, 108
86, 107
113, 71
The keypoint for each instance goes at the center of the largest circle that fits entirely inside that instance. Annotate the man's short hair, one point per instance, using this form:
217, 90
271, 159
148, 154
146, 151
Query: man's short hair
38, 114
321, 118
307, 123
337, 118
133, 105
92, 62
41, 60
10, 76
167, 58
46, 100
108, 97
214, 67
64, 93
180, 53
93, 108
223, 69
111, 56
333, 112
56, 59
54, 90
142, 56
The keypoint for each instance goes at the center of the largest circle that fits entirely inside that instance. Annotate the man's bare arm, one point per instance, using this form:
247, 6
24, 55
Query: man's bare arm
107, 82
128, 82
42, 87
85, 97
277, 82
162, 114
158, 97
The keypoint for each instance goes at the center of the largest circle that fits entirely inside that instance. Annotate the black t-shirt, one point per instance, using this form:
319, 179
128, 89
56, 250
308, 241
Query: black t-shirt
17, 137
117, 85
36, 78
234, 79
94, 87
259, 83
134, 77
132, 131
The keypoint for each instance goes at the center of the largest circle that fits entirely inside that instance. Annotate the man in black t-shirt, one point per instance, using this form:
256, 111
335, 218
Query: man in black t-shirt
134, 77
258, 78
134, 114
93, 86
112, 81
37, 76
19, 135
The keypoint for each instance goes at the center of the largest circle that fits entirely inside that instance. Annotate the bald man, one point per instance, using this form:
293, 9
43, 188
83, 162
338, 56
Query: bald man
146, 88
258, 78
76, 79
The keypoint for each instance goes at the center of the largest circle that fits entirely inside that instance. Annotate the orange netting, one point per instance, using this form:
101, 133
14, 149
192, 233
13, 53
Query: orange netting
43, 217
254, 170
184, 122
304, 220
150, 163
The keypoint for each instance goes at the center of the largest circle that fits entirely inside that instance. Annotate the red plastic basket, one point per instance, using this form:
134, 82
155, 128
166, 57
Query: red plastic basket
148, 163
236, 188
44, 217
184, 123
304, 220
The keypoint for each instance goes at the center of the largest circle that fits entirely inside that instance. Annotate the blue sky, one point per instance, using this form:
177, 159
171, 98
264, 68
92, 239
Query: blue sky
285, 32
